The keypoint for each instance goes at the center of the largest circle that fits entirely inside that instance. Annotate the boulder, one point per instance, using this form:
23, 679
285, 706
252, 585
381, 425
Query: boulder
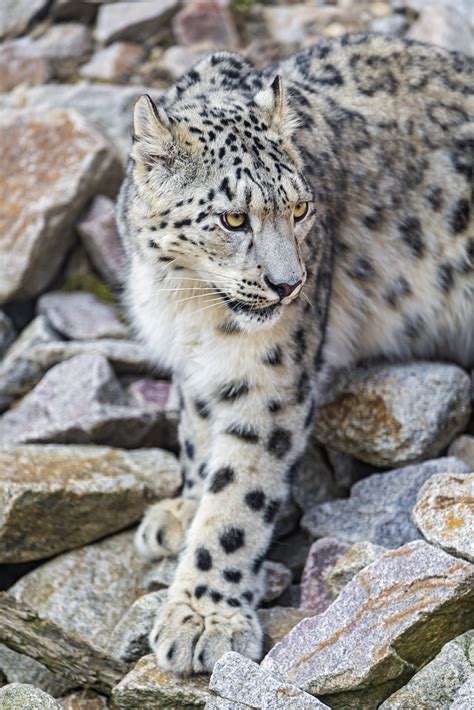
129, 638
379, 508
18, 668
391, 619
93, 491
81, 316
17, 16
464, 697
113, 63
135, 21
209, 21
445, 25
19, 696
391, 415
323, 555
314, 481
98, 232
277, 622
463, 448
59, 161
444, 513
360, 555
17, 66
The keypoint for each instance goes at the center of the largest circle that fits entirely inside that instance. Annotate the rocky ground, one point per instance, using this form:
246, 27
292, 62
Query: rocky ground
370, 581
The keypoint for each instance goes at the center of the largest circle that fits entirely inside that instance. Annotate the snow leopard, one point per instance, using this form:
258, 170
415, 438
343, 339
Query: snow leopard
280, 224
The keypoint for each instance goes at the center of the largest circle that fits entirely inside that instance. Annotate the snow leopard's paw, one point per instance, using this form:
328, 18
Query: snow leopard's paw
162, 531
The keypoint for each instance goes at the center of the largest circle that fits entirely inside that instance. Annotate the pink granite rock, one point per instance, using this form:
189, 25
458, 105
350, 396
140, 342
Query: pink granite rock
323, 555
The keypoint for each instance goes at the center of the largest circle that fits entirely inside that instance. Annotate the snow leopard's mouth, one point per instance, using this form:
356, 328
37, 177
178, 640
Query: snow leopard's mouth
248, 309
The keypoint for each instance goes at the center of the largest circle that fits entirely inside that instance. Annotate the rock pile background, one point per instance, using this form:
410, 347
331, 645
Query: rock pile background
370, 581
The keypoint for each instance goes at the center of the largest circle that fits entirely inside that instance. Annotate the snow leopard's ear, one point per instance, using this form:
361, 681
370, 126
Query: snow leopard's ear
273, 103
151, 133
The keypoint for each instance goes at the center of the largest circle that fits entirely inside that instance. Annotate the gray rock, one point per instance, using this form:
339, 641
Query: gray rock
221, 704
292, 551
209, 21
391, 25
129, 638
379, 508
98, 231
18, 668
436, 685
81, 316
19, 696
323, 555
81, 401
176, 60
314, 481
93, 491
84, 700
18, 67
146, 686
160, 575
444, 513
59, 161
390, 619
444, 25
113, 63
463, 448
360, 555
7, 332
391, 415
277, 622
16, 16
136, 21
277, 578
464, 698
68, 40
238, 678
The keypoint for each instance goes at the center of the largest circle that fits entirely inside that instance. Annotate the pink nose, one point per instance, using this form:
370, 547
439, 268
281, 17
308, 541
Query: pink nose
283, 290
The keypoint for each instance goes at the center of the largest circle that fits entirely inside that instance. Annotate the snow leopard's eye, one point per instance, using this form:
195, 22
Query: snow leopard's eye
300, 211
234, 220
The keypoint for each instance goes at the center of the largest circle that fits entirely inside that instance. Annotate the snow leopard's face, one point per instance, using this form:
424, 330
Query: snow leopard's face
219, 192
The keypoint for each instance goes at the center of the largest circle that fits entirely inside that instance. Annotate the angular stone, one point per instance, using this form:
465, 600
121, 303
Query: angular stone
237, 678
16, 16
146, 686
444, 25
277, 578
206, 21
18, 67
81, 401
277, 622
19, 668
351, 562
81, 316
315, 591
68, 40
129, 638
19, 696
84, 700
98, 231
391, 415
463, 448
314, 481
135, 21
379, 508
59, 161
7, 332
93, 491
221, 704
114, 63
464, 698
390, 619
153, 393
436, 685
444, 513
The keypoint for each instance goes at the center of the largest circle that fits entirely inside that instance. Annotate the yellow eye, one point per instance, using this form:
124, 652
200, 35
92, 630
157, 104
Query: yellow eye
234, 220
300, 211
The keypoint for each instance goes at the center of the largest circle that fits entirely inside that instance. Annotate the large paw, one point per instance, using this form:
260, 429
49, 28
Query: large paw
187, 641
161, 532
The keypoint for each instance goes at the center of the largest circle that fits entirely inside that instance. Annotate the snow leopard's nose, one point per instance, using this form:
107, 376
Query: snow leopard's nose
283, 289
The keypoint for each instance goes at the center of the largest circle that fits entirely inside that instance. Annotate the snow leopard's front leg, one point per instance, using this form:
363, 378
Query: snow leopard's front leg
257, 441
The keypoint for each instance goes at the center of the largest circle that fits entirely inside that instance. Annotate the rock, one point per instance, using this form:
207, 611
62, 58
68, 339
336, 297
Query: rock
160, 575
347, 470
277, 622
277, 578
391, 25
17, 16
18, 668
292, 551
463, 448
323, 555
19, 696
379, 508
391, 415
98, 231
129, 638
68, 40
114, 63
7, 332
93, 491
392, 618
436, 685
444, 25
81, 401
176, 60
237, 678
80, 316
152, 393
146, 686
206, 21
108, 107
444, 513
84, 700
465, 695
18, 67
350, 563
221, 704
59, 161
314, 481
295, 24
135, 21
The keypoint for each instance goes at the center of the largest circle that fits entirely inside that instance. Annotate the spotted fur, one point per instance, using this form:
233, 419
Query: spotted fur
378, 136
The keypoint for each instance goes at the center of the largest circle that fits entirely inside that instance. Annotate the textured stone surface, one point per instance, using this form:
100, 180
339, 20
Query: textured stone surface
98, 231
84, 700
277, 622
391, 415
17, 15
238, 678
22, 669
464, 698
81, 401
323, 555
463, 448
69, 40
413, 600
315, 480
93, 491
379, 508
277, 578
59, 161
19, 696
81, 316
146, 686
136, 21
436, 685
176, 60
129, 638
351, 562
206, 21
444, 513
7, 332
18, 67
445, 25
114, 63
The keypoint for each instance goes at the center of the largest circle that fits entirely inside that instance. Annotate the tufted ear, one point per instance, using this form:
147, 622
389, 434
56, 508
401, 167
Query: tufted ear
273, 104
151, 129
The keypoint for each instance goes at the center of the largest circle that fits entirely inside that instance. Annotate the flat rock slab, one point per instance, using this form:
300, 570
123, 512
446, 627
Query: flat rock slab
81, 316
146, 686
135, 21
444, 513
237, 678
392, 415
392, 618
51, 164
93, 491
19, 696
379, 508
